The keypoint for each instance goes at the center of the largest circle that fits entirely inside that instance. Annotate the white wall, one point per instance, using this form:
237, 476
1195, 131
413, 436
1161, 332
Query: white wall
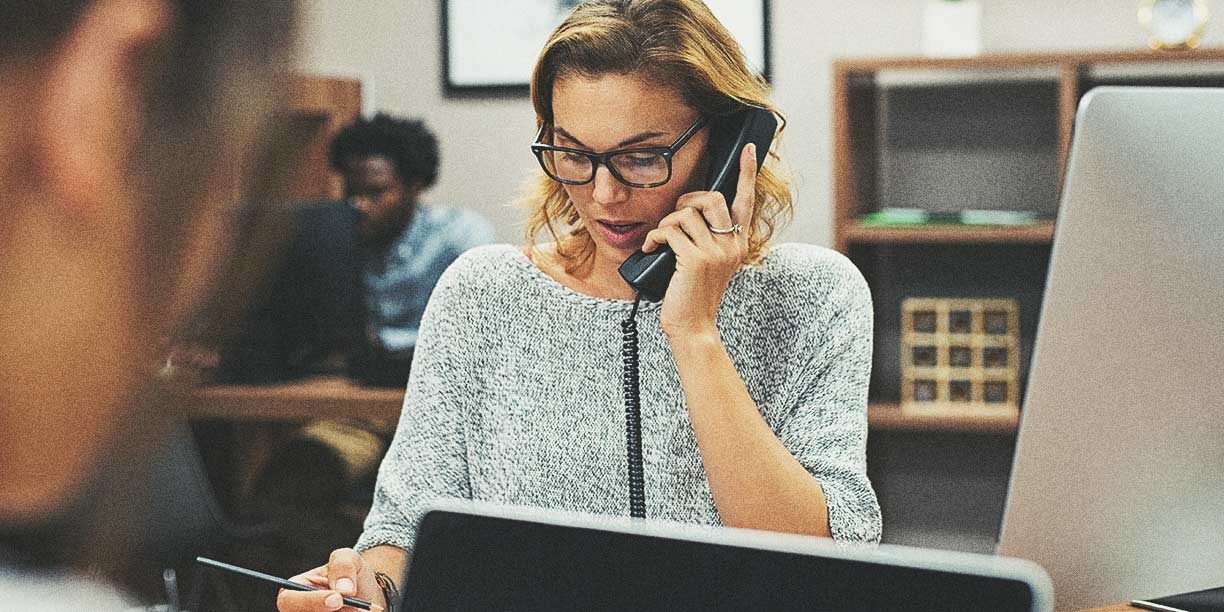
394, 47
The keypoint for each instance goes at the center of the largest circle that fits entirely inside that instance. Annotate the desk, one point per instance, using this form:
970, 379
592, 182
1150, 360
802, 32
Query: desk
298, 401
267, 413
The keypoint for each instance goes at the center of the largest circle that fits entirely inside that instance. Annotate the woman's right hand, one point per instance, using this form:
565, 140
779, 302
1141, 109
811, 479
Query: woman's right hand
346, 575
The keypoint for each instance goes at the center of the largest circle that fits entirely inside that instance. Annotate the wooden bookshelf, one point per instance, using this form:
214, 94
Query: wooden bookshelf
336, 98
990, 133
314, 108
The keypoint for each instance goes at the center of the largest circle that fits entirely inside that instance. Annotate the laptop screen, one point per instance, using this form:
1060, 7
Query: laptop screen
469, 561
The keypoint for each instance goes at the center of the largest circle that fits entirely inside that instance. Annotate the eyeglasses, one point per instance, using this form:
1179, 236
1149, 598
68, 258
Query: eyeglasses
641, 167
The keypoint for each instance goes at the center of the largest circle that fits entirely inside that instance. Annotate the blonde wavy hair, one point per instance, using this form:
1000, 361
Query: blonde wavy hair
674, 42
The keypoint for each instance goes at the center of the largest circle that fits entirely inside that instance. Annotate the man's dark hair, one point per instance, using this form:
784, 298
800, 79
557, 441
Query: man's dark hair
410, 146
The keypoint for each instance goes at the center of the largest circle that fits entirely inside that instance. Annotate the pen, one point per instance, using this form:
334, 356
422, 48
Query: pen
288, 584
1148, 605
172, 596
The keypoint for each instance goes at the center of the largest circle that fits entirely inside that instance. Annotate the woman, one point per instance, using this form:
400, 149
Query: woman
754, 367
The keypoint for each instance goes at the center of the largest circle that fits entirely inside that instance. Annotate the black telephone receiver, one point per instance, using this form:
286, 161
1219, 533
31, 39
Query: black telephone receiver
650, 273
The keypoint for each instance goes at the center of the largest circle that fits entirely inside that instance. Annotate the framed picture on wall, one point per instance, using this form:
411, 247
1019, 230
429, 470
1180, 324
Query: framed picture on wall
491, 47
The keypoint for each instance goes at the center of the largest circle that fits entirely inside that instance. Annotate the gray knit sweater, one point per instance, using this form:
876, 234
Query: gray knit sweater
515, 395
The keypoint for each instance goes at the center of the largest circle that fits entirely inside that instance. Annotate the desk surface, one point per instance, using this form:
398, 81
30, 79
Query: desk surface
326, 397
297, 401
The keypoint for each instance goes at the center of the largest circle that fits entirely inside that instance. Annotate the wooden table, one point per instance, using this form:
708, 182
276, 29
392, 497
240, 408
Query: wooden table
298, 401
265, 415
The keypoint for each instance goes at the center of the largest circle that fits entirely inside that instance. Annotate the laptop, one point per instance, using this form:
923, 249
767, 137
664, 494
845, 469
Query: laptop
1117, 488
478, 557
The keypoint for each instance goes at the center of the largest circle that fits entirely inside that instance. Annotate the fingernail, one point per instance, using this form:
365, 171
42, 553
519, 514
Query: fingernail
333, 601
344, 585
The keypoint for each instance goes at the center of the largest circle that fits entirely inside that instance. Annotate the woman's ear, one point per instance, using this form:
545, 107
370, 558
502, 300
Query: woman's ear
88, 113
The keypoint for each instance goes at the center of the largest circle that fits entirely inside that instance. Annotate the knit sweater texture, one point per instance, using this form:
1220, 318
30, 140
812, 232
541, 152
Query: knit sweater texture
516, 395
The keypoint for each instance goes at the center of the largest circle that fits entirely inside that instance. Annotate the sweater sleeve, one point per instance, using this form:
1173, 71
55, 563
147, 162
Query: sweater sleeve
427, 459
827, 431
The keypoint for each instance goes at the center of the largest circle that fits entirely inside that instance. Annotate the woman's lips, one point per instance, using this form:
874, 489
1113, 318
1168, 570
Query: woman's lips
622, 235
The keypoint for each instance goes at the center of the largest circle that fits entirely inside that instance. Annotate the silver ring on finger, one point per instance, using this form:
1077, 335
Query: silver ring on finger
734, 229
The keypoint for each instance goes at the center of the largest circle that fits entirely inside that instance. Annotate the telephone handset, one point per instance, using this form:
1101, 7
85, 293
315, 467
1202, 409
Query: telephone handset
650, 273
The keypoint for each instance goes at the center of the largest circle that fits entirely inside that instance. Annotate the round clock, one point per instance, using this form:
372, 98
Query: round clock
1173, 24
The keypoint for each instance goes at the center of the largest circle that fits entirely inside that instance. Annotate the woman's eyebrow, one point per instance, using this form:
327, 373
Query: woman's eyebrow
635, 139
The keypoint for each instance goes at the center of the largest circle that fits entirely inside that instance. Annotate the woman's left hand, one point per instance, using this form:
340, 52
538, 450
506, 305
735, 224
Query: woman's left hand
705, 261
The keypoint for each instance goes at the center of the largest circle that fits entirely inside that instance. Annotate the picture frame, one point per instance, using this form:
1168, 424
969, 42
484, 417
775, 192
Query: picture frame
489, 48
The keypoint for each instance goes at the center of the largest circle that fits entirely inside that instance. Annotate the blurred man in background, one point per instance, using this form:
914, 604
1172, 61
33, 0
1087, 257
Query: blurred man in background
345, 298
357, 274
127, 127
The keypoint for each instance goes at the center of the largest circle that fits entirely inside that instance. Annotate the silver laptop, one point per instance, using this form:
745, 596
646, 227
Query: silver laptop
1118, 484
479, 557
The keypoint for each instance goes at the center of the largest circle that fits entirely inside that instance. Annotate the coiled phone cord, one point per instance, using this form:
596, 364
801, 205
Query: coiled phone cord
633, 413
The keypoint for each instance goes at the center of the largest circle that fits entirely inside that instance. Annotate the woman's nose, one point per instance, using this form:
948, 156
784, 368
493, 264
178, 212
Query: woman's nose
608, 190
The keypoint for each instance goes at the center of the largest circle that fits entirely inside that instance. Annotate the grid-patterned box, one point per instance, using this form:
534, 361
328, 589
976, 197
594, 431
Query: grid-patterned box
960, 355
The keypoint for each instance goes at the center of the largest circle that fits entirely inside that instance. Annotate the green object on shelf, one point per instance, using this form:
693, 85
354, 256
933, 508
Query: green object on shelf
997, 217
897, 216
918, 216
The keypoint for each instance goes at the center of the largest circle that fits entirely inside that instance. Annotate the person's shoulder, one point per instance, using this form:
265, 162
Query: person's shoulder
454, 217
480, 276
489, 258
465, 216
802, 286
810, 268
461, 226
484, 265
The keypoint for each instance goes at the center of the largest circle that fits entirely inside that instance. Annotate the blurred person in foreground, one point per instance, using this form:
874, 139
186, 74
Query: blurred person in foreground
127, 128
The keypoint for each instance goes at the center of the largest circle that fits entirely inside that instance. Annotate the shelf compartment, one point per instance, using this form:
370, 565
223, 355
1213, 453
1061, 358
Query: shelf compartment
947, 148
899, 271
